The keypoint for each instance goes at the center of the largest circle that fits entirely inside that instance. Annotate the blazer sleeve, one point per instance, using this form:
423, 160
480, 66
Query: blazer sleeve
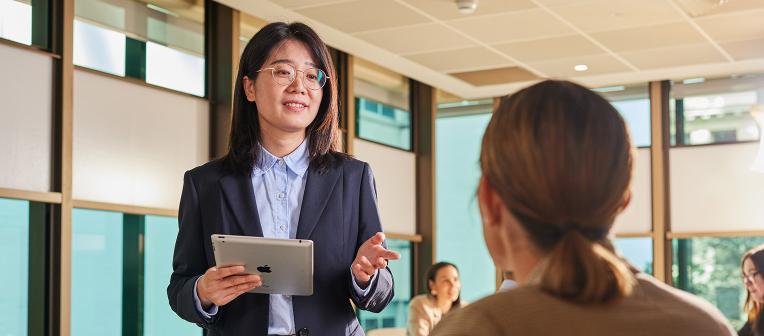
189, 261
381, 292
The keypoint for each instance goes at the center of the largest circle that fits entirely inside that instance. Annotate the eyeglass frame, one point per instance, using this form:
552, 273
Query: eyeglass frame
751, 276
295, 77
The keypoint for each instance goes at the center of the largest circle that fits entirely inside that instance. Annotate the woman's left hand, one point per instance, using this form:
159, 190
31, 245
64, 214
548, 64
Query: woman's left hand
371, 256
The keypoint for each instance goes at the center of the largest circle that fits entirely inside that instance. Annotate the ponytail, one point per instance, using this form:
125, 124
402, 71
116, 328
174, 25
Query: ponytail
583, 271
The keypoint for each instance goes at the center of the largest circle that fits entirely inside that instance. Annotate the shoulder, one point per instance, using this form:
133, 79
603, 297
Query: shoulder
474, 319
419, 301
680, 302
207, 174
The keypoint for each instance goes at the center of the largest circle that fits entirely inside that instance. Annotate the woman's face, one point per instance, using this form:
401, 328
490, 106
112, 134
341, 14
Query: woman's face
754, 282
446, 283
285, 108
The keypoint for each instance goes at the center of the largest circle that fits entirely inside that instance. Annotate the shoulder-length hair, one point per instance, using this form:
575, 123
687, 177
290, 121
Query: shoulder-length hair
322, 133
753, 308
432, 273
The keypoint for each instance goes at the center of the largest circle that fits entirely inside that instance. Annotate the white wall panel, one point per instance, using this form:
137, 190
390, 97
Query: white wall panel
132, 143
25, 119
713, 188
637, 217
395, 175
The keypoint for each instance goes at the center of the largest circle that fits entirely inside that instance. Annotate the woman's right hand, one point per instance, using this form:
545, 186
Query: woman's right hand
220, 285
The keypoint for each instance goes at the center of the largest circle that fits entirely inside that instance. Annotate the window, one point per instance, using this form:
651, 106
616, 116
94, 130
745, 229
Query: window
705, 111
382, 105
396, 312
25, 22
633, 102
710, 268
638, 251
14, 230
97, 264
460, 230
158, 318
164, 47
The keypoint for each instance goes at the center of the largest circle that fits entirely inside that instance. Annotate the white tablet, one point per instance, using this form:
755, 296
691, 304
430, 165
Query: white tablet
284, 265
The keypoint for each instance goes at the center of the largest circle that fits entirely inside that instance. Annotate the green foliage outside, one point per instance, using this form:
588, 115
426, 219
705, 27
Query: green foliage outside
710, 268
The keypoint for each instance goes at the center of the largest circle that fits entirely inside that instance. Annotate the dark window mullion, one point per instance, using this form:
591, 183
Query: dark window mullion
135, 58
134, 227
38, 262
40, 23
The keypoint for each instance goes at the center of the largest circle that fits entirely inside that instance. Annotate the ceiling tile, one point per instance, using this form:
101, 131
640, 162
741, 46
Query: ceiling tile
460, 59
496, 76
603, 15
700, 9
363, 15
734, 27
598, 64
557, 3
652, 37
417, 39
523, 25
292, 4
446, 10
740, 50
550, 48
674, 56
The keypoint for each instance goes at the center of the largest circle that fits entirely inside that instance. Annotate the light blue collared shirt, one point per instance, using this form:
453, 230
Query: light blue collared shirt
279, 185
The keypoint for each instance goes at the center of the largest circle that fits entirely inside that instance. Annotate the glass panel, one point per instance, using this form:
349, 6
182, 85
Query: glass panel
382, 105
638, 251
173, 35
459, 230
16, 21
710, 268
108, 56
633, 102
96, 272
174, 69
717, 110
158, 318
14, 231
395, 315
383, 124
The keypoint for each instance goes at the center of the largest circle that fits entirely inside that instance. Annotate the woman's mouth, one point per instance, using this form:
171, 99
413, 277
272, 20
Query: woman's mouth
295, 106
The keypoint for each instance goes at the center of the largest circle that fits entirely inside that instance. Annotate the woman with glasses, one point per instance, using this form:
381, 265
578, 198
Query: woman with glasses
283, 177
556, 165
752, 264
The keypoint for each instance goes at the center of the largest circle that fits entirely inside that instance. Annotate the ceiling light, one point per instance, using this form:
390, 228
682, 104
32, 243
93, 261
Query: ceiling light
694, 80
581, 67
466, 6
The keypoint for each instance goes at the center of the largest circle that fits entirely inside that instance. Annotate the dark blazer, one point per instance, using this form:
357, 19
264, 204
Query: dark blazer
339, 213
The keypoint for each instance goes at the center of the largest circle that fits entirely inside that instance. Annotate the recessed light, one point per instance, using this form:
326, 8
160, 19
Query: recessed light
694, 80
581, 67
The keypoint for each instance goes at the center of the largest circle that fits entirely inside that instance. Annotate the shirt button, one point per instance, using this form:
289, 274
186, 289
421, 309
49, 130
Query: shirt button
280, 195
283, 227
281, 163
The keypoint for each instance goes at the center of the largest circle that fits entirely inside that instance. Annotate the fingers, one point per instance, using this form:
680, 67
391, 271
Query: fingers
216, 273
376, 239
221, 285
363, 268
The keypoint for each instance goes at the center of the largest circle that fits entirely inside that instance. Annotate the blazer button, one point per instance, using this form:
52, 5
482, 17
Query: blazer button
303, 332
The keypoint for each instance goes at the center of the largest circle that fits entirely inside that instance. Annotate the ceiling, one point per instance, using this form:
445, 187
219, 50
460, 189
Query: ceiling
507, 44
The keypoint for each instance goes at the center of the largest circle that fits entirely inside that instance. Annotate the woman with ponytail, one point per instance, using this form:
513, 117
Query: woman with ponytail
752, 265
557, 162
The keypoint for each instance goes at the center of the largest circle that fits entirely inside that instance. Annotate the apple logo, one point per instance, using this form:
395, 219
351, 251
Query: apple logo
264, 269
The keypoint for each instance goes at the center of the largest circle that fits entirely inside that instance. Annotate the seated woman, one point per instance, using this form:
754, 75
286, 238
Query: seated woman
427, 309
752, 266
556, 166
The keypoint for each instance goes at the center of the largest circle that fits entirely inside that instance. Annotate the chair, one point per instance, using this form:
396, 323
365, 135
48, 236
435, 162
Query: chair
387, 332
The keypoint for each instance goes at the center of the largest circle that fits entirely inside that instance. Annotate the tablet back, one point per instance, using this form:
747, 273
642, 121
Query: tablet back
285, 265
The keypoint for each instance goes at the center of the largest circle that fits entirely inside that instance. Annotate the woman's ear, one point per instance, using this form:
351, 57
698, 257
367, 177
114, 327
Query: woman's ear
488, 202
249, 88
626, 201
430, 285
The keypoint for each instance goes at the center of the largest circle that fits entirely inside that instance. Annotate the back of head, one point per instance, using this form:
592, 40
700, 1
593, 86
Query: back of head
560, 158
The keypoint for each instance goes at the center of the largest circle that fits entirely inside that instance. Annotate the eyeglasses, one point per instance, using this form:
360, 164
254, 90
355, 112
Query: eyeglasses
750, 276
285, 73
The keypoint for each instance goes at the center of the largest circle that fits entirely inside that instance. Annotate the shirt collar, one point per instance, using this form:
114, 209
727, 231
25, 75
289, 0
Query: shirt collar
297, 161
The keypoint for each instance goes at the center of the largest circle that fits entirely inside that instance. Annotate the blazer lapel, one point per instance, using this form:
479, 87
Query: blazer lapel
240, 197
318, 190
